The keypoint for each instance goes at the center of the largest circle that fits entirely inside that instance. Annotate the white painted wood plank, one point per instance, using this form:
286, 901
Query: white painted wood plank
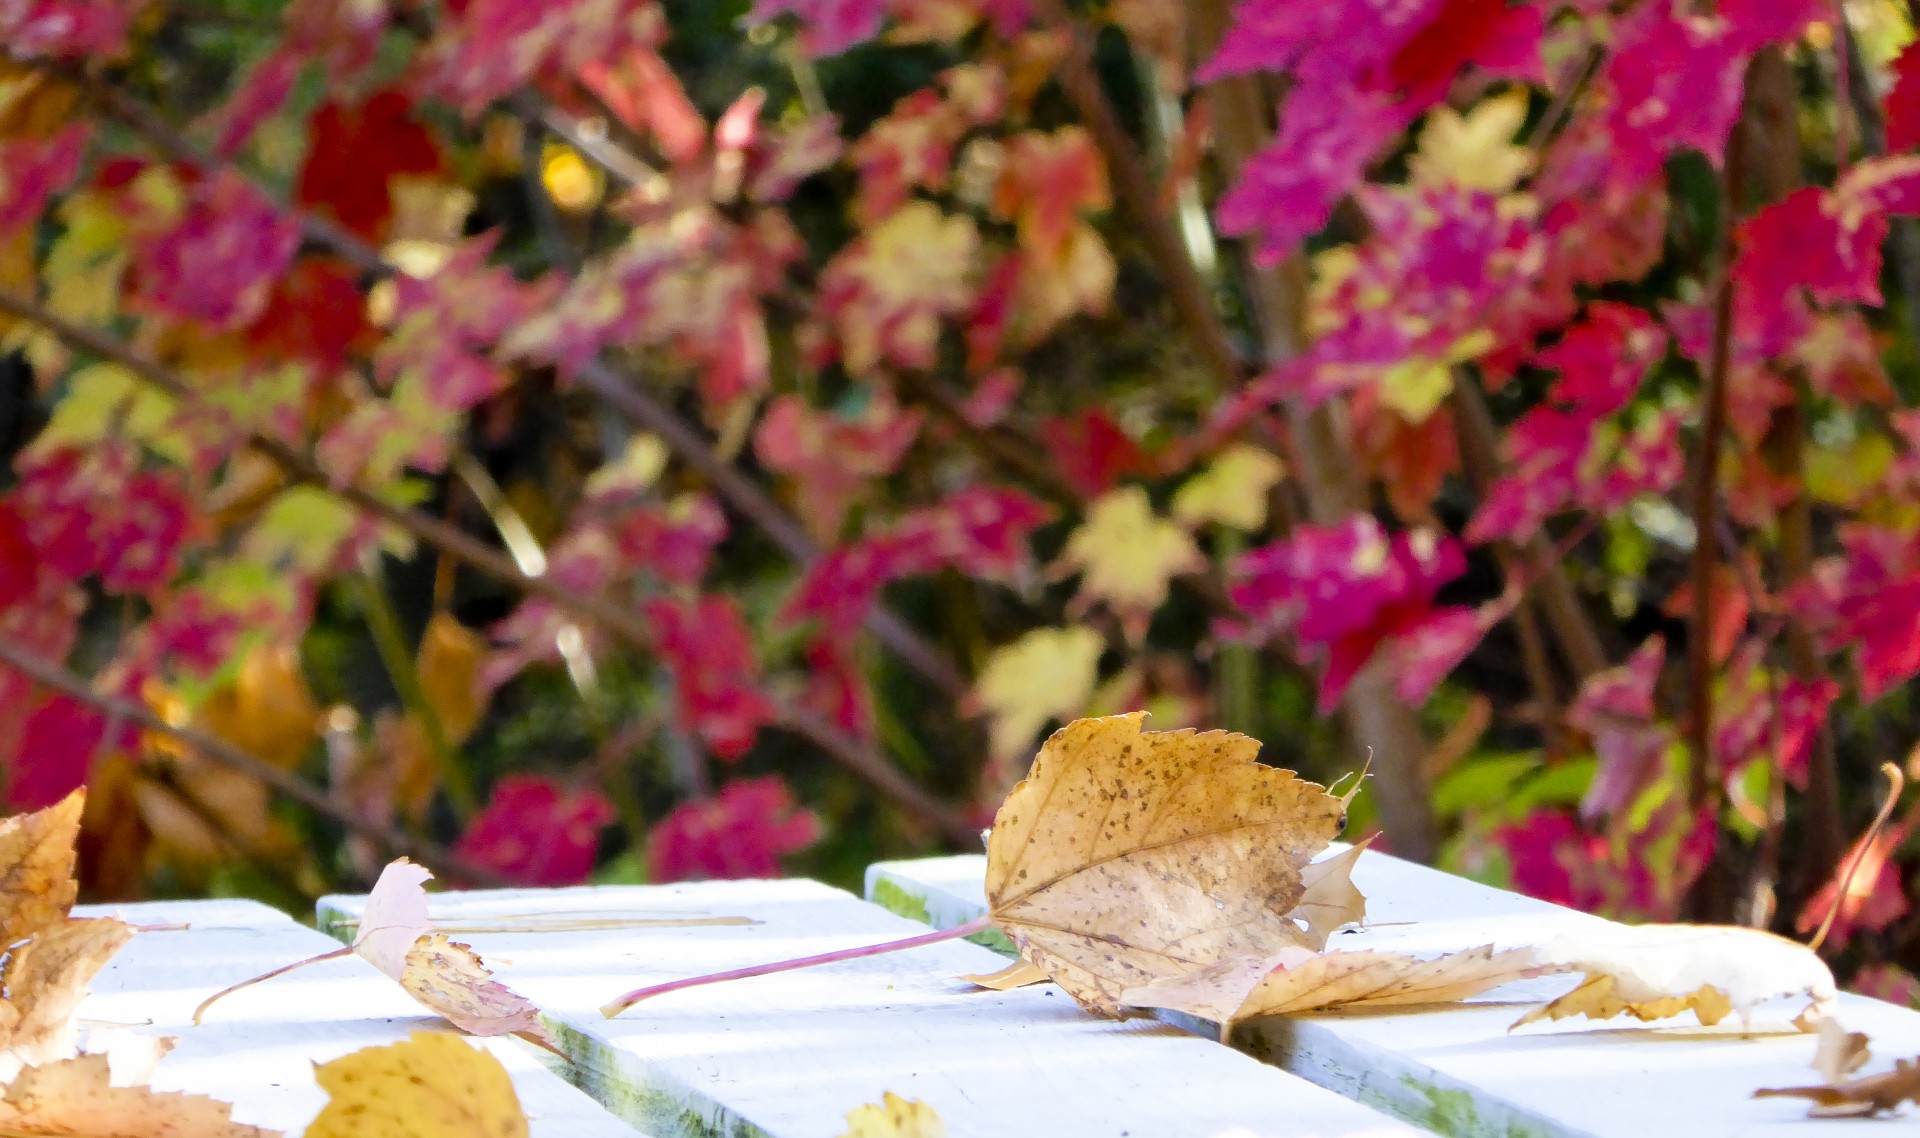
1458, 1070
258, 1047
788, 1056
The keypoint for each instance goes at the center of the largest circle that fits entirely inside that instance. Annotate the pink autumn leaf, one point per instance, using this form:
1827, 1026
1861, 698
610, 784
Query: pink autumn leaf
1424, 654
484, 49
828, 27
743, 832
538, 831
1615, 709
67, 27
1288, 190
32, 170
1672, 81
218, 263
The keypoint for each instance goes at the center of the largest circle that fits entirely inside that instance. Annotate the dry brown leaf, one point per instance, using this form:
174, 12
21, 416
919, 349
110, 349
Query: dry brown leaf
450, 978
1841, 1052
1019, 974
47, 977
1858, 1098
74, 1098
1329, 901
431, 1086
1299, 980
1127, 857
36, 867
1654, 971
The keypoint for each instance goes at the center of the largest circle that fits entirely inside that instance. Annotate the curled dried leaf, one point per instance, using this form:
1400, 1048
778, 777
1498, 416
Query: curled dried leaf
1298, 980
1654, 971
450, 978
1019, 974
36, 867
1841, 1052
1858, 1098
1127, 857
75, 1098
47, 977
1329, 900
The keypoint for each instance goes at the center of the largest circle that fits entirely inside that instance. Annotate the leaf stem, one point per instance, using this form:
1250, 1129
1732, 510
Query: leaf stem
958, 932
343, 950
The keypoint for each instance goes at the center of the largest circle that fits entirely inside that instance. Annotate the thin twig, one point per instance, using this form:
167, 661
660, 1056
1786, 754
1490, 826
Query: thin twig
226, 754
1896, 782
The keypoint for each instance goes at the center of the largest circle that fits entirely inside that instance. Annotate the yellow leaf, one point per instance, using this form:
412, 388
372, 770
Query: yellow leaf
432, 1086
449, 669
1128, 857
103, 400
1019, 974
303, 528
1415, 388
75, 1098
1047, 674
894, 1117
1477, 151
1126, 555
47, 977
1846, 476
267, 710
1231, 491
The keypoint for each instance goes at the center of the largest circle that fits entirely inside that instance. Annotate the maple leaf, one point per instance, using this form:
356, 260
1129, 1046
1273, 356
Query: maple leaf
75, 1098
538, 831
1047, 674
45, 980
1875, 890
33, 169
36, 868
828, 27
706, 645
743, 832
1046, 182
433, 1085
1288, 189
1299, 979
894, 1117
1902, 102
1652, 972
1091, 451
54, 752
908, 148
315, 313
1673, 80
1125, 857
1476, 150
487, 48
1232, 490
1615, 708
1127, 556
218, 261
355, 152
1455, 34
887, 290
834, 459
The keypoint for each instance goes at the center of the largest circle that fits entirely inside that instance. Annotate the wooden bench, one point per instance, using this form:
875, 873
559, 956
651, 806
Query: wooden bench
1459, 1071
257, 1047
788, 1056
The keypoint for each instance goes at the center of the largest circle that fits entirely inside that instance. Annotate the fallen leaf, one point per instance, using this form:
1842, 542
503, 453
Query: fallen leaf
1841, 1052
1858, 1098
73, 1098
1019, 974
894, 1117
36, 867
1299, 980
1127, 857
450, 978
395, 917
1329, 900
1654, 971
433, 1085
47, 977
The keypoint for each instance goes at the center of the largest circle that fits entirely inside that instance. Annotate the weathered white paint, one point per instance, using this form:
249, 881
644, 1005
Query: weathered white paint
258, 1047
1458, 1070
789, 1055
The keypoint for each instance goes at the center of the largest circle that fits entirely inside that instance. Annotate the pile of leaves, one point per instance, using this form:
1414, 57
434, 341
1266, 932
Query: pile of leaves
655, 440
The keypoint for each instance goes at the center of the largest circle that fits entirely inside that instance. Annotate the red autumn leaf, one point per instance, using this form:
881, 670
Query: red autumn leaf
1615, 710
1673, 81
94, 513
743, 832
355, 152
1455, 34
54, 752
833, 459
1047, 182
706, 646
316, 313
536, 830
1556, 860
1876, 893
19, 563
674, 542
1091, 451
67, 27
639, 88
1903, 101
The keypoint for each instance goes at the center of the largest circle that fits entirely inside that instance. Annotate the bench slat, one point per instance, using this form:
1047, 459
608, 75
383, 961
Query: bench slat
789, 1055
258, 1047
1458, 1070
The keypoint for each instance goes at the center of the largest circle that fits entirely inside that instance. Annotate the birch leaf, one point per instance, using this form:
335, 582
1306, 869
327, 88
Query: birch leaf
1654, 971
1127, 857
1297, 980
431, 1086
